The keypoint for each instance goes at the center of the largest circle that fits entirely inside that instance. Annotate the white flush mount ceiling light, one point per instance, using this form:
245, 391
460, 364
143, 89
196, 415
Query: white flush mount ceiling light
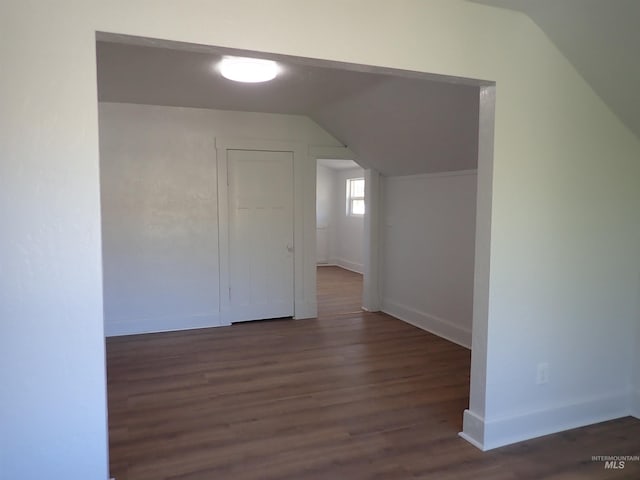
248, 70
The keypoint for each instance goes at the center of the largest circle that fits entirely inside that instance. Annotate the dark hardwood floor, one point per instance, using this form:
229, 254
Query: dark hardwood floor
351, 396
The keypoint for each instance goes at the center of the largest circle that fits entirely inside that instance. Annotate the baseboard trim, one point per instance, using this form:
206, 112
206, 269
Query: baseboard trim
138, 326
471, 440
489, 434
347, 265
431, 323
473, 429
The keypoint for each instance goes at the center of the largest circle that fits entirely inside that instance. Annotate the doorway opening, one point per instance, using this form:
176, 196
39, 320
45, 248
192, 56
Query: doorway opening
340, 236
165, 220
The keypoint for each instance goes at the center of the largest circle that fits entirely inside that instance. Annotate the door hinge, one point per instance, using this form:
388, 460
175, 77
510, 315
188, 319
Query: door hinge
229, 293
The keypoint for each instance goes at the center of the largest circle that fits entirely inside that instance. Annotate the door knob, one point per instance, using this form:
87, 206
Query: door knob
290, 248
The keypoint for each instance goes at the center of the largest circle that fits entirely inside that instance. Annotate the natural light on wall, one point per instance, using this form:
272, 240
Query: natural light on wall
355, 196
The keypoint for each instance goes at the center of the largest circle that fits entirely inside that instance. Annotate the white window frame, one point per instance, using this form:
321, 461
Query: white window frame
351, 198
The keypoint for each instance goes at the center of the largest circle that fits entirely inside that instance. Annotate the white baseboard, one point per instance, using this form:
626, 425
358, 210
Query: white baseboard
135, 326
494, 433
473, 429
635, 403
305, 310
347, 265
438, 326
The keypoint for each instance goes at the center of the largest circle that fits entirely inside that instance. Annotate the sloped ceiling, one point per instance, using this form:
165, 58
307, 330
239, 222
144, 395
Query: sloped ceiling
400, 120
601, 38
334, 164
399, 125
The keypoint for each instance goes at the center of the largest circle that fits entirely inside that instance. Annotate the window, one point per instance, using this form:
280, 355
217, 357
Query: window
355, 197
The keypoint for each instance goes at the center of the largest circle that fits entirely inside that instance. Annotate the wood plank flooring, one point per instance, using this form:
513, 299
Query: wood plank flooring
356, 396
339, 291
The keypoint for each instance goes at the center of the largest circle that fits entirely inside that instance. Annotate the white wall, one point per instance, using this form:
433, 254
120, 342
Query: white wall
324, 212
565, 254
343, 234
347, 235
53, 419
159, 219
159, 209
428, 251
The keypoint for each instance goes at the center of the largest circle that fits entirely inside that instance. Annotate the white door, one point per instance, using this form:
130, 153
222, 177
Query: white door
260, 234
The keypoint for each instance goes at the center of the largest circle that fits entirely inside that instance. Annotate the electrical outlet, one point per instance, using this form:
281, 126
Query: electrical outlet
542, 376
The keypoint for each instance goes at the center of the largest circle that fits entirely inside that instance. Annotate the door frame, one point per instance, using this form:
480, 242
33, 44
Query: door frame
301, 306
372, 253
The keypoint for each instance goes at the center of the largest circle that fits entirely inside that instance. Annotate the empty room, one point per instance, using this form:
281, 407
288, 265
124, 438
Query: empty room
162, 313
194, 192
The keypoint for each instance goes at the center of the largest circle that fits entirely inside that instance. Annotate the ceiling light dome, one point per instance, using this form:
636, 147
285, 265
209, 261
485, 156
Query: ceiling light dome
248, 70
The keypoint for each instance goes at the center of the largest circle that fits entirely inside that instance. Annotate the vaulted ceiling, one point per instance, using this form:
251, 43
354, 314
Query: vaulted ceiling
601, 38
397, 123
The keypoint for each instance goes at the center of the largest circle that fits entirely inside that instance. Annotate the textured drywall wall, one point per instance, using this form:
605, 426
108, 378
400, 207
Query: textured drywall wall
158, 181
160, 209
53, 417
